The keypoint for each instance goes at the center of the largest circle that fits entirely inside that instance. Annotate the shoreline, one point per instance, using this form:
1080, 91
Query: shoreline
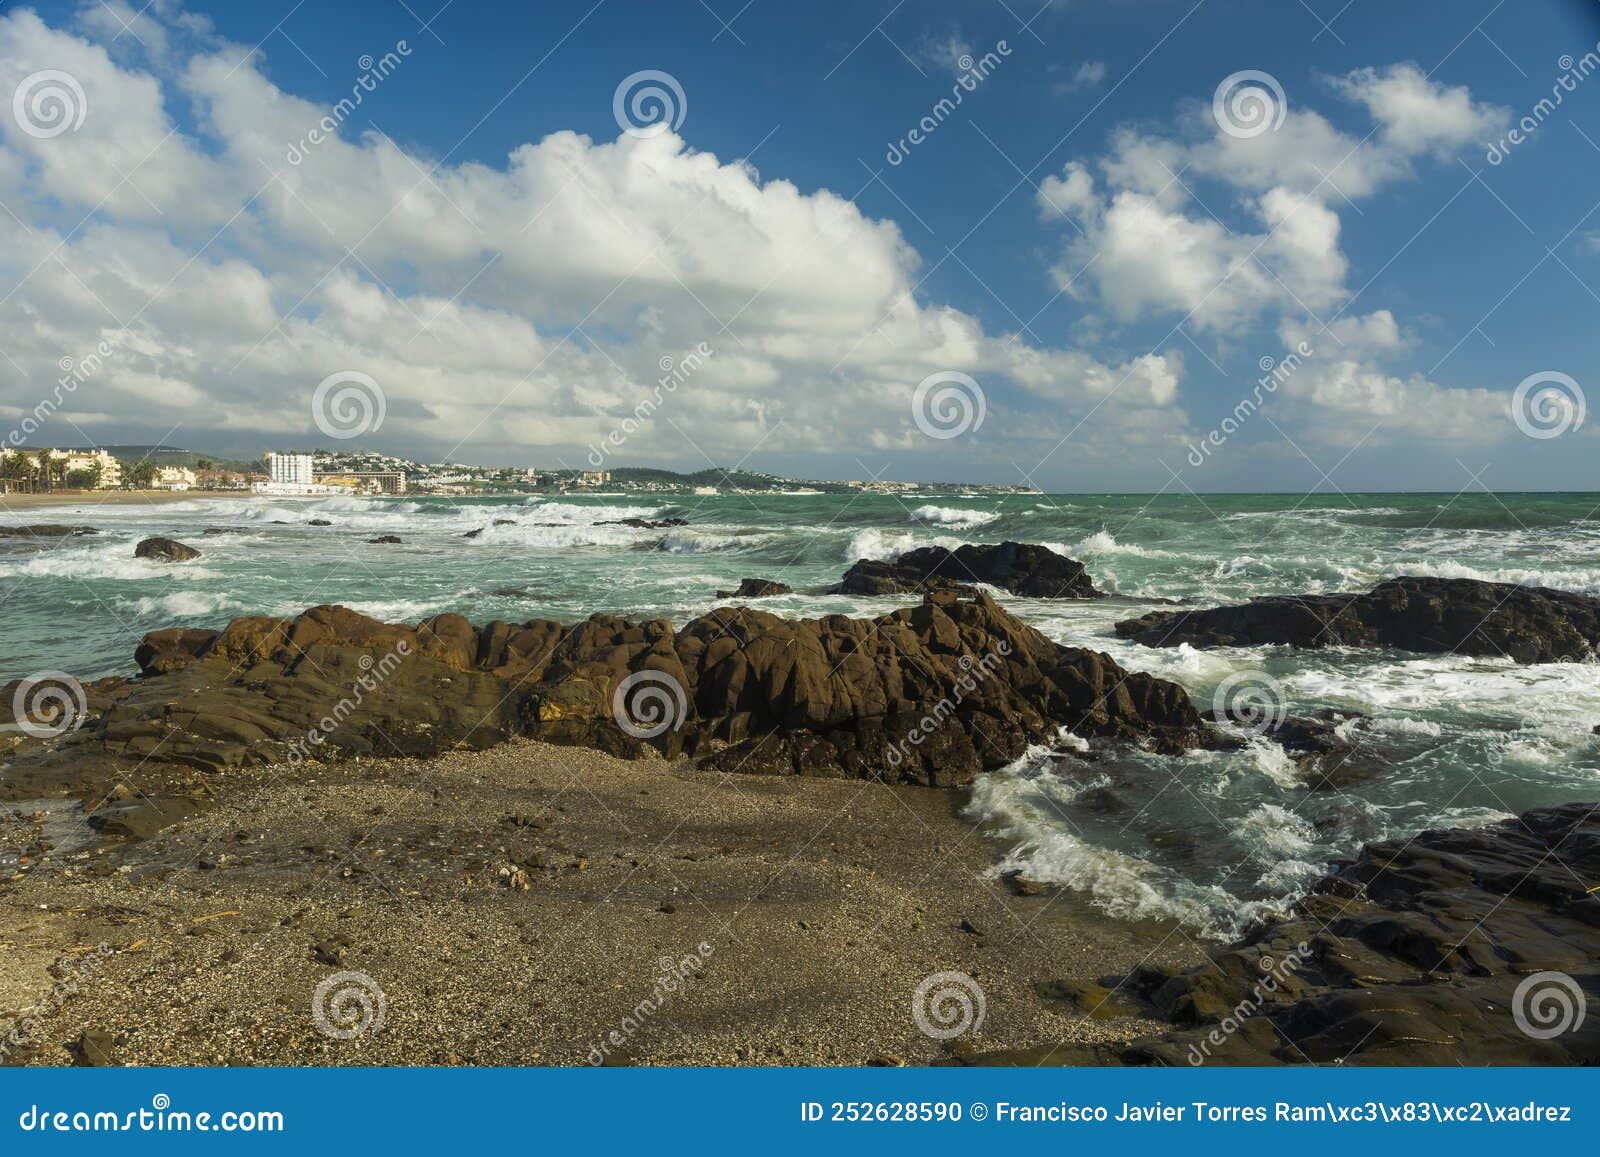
824, 904
88, 498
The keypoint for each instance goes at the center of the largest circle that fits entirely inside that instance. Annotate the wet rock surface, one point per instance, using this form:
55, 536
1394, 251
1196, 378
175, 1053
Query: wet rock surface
1021, 568
1430, 615
1460, 946
930, 695
641, 523
165, 550
755, 588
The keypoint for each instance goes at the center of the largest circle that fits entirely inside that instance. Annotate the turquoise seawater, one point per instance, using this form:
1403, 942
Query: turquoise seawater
1209, 838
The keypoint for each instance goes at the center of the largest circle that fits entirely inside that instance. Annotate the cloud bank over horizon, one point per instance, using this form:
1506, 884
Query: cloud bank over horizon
520, 312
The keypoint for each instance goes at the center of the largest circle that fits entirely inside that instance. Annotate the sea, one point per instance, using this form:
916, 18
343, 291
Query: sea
1212, 840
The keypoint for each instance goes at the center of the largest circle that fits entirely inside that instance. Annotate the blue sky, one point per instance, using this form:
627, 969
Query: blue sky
1058, 238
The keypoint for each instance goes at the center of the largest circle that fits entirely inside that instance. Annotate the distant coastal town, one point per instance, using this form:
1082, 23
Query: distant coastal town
292, 473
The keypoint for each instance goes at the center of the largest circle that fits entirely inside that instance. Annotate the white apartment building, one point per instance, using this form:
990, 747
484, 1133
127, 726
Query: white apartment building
174, 478
110, 468
289, 469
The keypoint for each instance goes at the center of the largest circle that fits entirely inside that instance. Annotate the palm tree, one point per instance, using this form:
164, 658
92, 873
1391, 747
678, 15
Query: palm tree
140, 475
46, 468
15, 468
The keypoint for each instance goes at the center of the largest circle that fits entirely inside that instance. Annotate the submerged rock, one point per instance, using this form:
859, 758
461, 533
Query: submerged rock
1430, 615
1475, 946
45, 530
754, 588
1021, 568
645, 523
165, 550
385, 540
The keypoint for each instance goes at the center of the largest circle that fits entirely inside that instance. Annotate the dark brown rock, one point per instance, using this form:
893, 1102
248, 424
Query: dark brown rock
164, 651
754, 588
930, 695
1430, 615
142, 817
1021, 568
645, 523
165, 550
385, 539
870, 576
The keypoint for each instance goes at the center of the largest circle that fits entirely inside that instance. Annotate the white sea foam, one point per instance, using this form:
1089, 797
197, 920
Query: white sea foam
888, 545
113, 561
397, 610
1397, 725
1103, 542
703, 539
1584, 581
1026, 804
1274, 833
952, 517
182, 605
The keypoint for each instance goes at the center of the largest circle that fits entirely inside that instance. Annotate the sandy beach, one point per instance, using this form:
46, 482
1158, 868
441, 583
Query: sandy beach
92, 498
815, 908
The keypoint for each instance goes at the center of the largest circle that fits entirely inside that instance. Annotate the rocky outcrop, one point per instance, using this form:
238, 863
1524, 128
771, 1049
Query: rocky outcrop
932, 694
1468, 947
165, 550
754, 588
385, 540
1021, 568
165, 651
1432, 615
319, 522
642, 523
